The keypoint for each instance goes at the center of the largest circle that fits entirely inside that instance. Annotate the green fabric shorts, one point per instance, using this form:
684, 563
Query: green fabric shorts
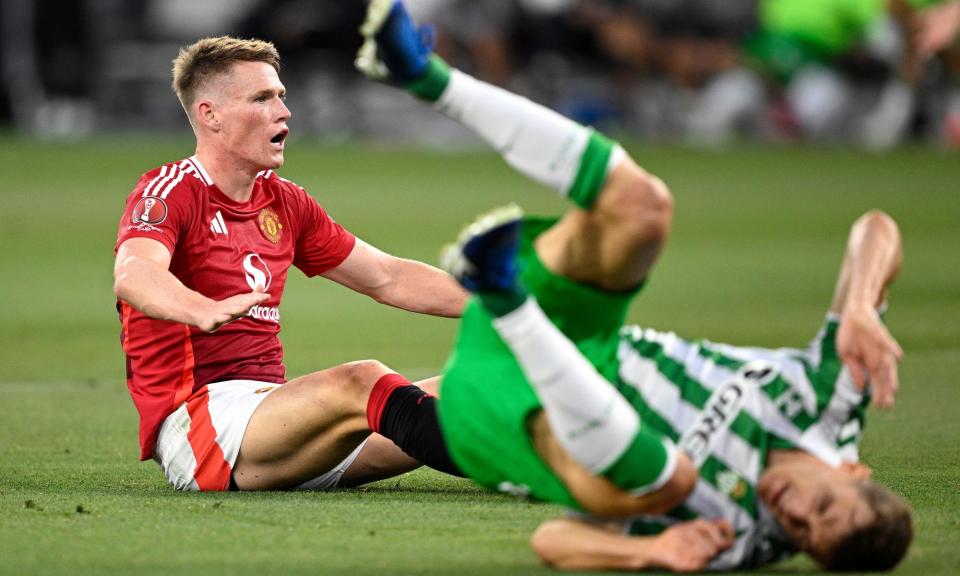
485, 399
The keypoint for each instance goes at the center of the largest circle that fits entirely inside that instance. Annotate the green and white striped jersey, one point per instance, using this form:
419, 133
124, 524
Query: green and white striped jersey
726, 407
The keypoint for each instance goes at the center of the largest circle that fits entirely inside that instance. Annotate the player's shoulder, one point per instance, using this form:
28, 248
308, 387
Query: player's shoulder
181, 179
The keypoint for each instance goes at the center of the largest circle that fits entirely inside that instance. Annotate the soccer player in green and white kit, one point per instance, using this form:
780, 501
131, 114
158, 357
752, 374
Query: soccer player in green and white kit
724, 457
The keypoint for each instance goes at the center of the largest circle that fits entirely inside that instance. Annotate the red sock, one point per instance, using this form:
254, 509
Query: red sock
378, 398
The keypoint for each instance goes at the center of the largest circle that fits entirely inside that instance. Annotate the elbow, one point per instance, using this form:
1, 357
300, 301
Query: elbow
121, 277
878, 220
877, 223
547, 543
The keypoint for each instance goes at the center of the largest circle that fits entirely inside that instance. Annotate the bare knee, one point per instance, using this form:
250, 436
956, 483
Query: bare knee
640, 202
360, 376
348, 384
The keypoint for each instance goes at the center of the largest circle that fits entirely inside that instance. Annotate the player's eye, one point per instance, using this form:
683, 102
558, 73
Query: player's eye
824, 504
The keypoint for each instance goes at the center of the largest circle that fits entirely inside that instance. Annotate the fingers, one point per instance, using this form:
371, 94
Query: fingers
886, 383
712, 537
857, 371
234, 308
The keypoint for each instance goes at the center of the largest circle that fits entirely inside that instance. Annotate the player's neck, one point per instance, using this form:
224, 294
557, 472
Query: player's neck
233, 181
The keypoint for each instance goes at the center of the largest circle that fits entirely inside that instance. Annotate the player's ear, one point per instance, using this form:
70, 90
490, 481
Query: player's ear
856, 470
206, 115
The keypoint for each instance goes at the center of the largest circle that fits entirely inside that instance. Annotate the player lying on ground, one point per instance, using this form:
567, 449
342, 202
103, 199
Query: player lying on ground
578, 411
202, 256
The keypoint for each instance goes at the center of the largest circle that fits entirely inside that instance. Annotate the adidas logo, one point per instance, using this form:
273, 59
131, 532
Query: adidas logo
217, 225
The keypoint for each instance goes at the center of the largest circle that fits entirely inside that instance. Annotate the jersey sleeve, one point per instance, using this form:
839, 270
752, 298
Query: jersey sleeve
160, 207
321, 243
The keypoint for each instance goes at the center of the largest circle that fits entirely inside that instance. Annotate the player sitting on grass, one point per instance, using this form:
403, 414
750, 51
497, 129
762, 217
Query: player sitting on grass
202, 255
721, 456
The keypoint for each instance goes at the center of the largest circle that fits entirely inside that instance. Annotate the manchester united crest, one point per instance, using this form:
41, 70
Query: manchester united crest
270, 225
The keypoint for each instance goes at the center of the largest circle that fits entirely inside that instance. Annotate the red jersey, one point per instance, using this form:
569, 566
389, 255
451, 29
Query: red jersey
219, 248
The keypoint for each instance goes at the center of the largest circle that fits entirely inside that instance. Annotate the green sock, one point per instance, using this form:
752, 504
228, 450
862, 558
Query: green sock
433, 82
592, 172
641, 464
502, 303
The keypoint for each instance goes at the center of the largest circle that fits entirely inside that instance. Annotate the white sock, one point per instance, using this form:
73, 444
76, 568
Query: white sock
538, 142
591, 420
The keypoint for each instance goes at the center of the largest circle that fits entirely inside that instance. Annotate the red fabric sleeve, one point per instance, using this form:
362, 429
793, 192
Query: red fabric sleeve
160, 207
322, 244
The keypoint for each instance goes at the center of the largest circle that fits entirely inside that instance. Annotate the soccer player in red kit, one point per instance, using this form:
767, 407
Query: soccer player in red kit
202, 255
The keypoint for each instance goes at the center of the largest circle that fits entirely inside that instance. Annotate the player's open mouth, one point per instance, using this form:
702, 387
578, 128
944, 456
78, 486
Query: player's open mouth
280, 137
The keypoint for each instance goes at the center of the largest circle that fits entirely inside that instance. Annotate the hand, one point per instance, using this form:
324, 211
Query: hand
937, 28
870, 353
689, 546
225, 311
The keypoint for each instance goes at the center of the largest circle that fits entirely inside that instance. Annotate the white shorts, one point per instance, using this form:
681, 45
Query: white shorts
198, 444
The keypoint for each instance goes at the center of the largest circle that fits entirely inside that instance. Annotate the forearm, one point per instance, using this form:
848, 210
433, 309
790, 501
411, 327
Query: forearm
419, 287
874, 255
568, 544
156, 292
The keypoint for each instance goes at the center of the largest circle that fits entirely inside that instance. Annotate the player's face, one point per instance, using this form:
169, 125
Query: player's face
253, 116
817, 505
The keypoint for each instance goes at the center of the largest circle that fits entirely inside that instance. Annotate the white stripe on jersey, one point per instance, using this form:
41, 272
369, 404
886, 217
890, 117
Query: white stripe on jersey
172, 184
762, 408
663, 397
218, 225
172, 174
156, 179
203, 173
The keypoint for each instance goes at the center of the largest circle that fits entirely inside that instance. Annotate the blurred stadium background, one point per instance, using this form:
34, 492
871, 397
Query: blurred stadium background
871, 73
775, 122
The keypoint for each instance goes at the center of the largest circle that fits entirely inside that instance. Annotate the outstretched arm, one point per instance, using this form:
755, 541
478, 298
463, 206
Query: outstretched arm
142, 278
569, 544
400, 282
871, 263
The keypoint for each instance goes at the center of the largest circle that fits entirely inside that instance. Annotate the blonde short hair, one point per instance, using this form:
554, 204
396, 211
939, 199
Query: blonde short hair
209, 57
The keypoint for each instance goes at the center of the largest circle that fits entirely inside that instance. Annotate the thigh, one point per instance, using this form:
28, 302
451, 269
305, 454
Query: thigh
614, 245
306, 427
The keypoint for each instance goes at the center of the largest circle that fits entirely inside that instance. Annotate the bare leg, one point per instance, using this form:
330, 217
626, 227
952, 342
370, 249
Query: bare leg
613, 245
306, 427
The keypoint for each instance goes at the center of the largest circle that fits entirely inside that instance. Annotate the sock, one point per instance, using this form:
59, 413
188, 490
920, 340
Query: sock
591, 420
538, 142
407, 415
502, 303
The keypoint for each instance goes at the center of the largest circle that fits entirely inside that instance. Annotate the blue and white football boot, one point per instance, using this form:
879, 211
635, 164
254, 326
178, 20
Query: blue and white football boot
484, 257
394, 48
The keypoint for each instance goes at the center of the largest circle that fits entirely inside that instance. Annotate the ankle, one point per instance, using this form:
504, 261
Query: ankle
500, 304
433, 82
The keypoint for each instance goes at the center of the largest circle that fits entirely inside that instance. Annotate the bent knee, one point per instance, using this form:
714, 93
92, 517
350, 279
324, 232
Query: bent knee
360, 376
347, 385
641, 203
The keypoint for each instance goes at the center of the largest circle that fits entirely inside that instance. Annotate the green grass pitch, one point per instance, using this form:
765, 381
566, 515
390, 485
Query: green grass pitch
756, 246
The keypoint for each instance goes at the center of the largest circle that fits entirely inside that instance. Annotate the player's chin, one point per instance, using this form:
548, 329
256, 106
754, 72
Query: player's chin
274, 160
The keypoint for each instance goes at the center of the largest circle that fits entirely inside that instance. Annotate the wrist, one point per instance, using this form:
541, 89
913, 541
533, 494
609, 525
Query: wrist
644, 554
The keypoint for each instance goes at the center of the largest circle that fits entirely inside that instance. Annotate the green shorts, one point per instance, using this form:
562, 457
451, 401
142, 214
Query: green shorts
485, 399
